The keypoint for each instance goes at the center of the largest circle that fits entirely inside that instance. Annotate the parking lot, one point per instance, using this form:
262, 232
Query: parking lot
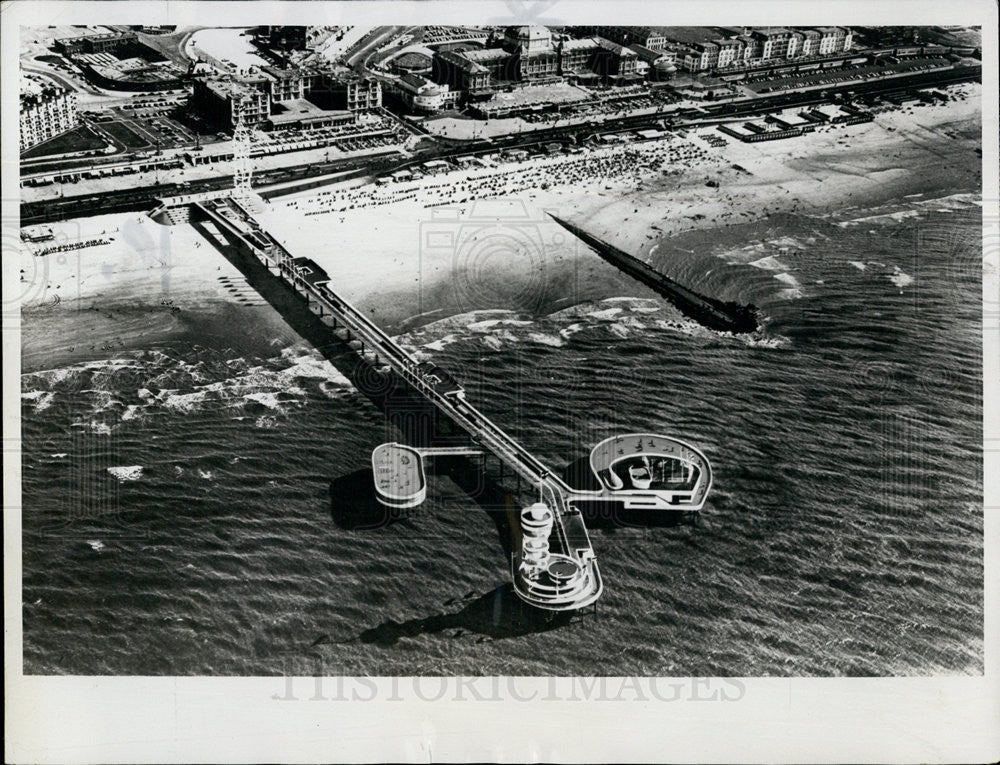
837, 75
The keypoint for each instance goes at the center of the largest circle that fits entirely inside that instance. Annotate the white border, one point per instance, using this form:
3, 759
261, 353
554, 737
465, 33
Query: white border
112, 719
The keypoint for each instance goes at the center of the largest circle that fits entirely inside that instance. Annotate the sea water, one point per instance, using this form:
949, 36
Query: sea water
178, 516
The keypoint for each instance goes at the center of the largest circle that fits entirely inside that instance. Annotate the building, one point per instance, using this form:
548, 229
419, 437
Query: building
419, 94
662, 63
132, 74
121, 61
227, 102
810, 43
343, 89
300, 114
795, 44
614, 60
462, 72
527, 39
700, 57
647, 37
530, 55
109, 42
704, 49
362, 94
45, 115
773, 42
729, 52
834, 40
283, 84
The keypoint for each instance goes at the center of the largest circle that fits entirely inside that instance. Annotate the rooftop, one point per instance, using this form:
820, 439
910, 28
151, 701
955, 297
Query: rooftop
615, 48
483, 54
461, 61
648, 54
225, 88
533, 33
416, 82
296, 109
46, 94
583, 42
689, 35
771, 30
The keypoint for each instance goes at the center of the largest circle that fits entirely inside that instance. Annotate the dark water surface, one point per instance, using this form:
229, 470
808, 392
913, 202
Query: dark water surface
844, 535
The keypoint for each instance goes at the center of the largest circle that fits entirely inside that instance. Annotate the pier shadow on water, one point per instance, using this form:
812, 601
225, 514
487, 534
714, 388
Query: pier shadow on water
354, 506
419, 423
498, 614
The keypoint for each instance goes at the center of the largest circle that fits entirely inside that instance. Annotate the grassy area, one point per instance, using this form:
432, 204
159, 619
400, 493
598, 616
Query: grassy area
125, 135
77, 139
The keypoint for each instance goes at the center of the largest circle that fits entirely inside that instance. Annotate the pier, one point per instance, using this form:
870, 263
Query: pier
553, 563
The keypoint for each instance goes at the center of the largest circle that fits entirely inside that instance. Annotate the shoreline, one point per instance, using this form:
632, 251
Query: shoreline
425, 255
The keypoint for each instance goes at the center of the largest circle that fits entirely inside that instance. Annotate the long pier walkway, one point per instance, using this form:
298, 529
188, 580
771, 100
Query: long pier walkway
576, 581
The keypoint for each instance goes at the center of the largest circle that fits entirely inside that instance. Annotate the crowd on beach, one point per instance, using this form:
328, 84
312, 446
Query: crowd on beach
595, 165
70, 246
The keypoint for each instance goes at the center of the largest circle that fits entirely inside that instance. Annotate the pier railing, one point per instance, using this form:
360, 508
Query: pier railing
238, 220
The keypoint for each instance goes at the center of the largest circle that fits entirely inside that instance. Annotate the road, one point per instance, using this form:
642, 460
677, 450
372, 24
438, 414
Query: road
359, 59
57, 78
711, 114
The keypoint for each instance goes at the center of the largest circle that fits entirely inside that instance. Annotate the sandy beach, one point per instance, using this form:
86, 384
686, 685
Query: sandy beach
416, 252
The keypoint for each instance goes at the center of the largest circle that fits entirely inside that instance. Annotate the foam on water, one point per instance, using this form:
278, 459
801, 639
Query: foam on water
794, 291
605, 313
900, 278
816, 569
126, 472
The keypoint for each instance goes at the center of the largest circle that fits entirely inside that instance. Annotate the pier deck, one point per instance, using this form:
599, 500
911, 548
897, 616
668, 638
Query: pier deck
569, 537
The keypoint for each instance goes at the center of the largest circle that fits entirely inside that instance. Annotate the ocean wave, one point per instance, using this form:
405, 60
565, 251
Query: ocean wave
152, 381
470, 319
553, 341
96, 427
438, 345
685, 327
794, 289
498, 340
132, 412
269, 400
619, 317
900, 278
605, 313
126, 472
567, 332
637, 305
185, 402
768, 263
893, 213
788, 242
42, 399
958, 201
764, 341
487, 324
